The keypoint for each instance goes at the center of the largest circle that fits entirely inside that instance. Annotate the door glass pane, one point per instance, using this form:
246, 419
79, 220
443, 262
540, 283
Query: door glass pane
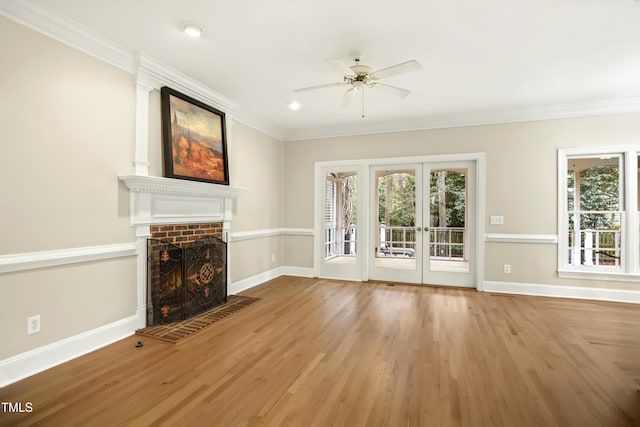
594, 211
340, 217
448, 242
396, 215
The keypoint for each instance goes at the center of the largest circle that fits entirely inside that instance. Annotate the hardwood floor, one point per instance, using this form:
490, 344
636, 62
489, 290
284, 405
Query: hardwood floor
320, 352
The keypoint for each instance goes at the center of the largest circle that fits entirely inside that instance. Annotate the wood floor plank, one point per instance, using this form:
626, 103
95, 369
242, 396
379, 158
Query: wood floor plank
316, 352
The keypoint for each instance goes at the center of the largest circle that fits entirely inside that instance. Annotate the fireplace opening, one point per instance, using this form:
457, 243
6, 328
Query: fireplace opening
183, 281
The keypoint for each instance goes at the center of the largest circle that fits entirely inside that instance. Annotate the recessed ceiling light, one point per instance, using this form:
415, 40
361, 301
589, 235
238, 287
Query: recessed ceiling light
295, 106
193, 30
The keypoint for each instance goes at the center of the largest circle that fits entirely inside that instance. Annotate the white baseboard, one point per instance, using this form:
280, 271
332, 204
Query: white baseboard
258, 279
298, 271
26, 364
577, 292
255, 280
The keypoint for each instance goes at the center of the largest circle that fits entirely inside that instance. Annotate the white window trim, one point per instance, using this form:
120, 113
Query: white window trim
630, 238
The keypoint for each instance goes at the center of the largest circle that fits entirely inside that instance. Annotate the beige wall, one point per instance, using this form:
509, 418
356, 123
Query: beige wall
67, 132
521, 181
70, 300
256, 164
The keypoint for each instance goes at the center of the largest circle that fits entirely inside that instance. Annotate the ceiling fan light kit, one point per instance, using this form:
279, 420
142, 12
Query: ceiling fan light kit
360, 76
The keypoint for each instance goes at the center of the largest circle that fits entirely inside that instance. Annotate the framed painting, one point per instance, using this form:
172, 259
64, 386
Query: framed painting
194, 139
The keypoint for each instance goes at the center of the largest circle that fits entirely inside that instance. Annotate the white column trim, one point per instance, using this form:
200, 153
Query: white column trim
141, 160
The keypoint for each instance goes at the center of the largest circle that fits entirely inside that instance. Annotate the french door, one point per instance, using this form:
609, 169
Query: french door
423, 223
339, 228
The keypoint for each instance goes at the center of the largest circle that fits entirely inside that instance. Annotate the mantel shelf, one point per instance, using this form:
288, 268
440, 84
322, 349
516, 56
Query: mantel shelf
157, 200
179, 187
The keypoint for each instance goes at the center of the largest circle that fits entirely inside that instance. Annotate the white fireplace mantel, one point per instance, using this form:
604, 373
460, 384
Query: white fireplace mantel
156, 200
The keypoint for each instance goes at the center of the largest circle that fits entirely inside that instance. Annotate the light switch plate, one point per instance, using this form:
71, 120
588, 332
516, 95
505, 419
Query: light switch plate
497, 220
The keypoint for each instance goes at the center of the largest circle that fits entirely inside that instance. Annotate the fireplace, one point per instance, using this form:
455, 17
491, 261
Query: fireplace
176, 212
186, 271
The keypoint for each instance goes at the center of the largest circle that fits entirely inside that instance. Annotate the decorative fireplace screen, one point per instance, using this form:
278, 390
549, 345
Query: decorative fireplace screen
185, 281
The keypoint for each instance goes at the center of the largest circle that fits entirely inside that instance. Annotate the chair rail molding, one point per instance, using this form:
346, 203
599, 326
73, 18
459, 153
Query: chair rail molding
521, 238
41, 259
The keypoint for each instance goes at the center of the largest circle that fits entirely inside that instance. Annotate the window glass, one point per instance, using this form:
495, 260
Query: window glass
340, 215
594, 207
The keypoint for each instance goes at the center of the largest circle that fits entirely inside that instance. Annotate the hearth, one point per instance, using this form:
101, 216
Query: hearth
185, 281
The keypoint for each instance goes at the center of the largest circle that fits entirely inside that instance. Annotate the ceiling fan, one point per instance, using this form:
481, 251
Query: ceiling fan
359, 77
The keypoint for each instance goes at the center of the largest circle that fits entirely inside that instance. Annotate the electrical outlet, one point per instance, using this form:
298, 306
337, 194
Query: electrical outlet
507, 269
33, 324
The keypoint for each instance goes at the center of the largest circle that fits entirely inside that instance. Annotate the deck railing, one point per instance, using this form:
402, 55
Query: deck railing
595, 247
445, 243
339, 242
396, 241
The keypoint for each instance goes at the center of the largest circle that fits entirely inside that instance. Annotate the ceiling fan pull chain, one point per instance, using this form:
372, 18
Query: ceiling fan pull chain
363, 103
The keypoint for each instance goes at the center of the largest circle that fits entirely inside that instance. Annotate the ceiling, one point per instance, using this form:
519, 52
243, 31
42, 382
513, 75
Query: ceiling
482, 60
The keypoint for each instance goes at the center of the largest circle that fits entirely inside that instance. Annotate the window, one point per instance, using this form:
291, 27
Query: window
340, 215
330, 215
598, 213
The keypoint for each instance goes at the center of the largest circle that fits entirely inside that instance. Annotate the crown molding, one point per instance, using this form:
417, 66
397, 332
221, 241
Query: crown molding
155, 74
549, 112
69, 32
147, 70
151, 72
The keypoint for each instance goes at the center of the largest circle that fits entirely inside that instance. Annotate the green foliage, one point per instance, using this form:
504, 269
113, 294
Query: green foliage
455, 199
599, 191
402, 188
402, 209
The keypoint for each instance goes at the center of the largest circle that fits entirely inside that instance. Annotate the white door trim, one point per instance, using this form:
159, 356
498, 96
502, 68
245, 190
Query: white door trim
366, 165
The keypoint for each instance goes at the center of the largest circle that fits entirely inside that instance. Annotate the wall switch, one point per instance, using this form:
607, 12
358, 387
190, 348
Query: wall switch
507, 269
33, 324
273, 257
497, 220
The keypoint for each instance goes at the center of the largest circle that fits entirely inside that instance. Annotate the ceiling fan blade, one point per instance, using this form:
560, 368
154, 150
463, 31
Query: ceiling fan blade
381, 87
304, 89
341, 66
394, 70
346, 98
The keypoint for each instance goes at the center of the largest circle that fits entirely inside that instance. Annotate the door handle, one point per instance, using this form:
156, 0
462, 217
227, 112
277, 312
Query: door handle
418, 229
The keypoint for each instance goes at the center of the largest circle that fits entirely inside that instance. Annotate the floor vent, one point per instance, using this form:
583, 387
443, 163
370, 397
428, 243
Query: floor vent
503, 295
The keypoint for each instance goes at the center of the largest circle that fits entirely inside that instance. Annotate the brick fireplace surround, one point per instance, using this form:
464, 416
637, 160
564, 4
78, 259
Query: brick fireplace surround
185, 234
